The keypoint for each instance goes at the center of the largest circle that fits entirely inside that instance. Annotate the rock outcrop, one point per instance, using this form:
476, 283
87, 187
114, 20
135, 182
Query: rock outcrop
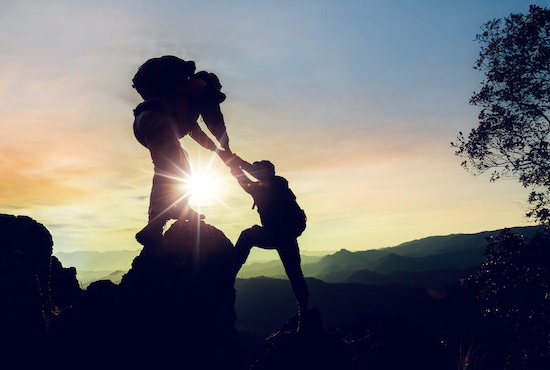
303, 344
173, 309
35, 288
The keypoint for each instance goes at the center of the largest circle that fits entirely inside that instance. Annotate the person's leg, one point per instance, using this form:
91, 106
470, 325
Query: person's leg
290, 256
213, 118
171, 168
254, 236
172, 177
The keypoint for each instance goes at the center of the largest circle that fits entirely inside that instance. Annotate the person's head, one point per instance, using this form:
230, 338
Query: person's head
213, 92
263, 170
162, 77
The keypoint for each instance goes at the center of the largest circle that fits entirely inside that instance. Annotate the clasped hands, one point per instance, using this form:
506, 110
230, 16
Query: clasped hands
230, 159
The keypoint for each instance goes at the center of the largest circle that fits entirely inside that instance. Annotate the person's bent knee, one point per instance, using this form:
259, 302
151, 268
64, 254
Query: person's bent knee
250, 232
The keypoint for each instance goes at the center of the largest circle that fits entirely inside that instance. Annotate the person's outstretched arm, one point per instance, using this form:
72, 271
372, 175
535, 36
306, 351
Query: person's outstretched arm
206, 92
200, 137
213, 118
245, 165
244, 181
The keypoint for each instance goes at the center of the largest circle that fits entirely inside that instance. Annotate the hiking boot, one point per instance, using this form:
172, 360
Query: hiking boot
191, 215
185, 213
182, 211
150, 235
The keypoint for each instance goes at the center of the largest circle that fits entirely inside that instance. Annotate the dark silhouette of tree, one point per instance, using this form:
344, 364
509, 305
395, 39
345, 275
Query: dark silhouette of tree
514, 286
513, 135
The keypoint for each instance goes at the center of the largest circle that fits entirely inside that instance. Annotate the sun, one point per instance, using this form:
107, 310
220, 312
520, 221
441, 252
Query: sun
207, 188
201, 187
207, 183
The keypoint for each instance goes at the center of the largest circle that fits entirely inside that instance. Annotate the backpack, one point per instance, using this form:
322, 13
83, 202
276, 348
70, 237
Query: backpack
161, 76
297, 217
279, 209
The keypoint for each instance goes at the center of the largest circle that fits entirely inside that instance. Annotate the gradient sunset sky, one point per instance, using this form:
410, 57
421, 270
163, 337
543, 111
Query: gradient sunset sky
355, 102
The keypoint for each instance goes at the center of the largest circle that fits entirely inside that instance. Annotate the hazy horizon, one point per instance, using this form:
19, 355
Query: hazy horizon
257, 255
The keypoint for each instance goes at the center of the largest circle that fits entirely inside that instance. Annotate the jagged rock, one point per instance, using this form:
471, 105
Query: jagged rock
65, 288
191, 277
307, 348
33, 286
173, 309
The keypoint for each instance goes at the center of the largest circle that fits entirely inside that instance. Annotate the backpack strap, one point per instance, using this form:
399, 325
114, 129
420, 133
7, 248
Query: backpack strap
153, 104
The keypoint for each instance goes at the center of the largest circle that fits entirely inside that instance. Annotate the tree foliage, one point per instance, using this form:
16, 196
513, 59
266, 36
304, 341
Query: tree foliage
514, 285
512, 138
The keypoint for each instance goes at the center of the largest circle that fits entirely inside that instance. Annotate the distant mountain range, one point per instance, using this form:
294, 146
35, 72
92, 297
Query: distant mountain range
93, 265
435, 259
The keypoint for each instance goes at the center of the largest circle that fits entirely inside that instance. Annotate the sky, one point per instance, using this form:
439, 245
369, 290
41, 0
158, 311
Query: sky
355, 102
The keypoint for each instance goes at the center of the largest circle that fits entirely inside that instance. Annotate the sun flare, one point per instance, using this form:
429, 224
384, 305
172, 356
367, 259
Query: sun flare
203, 189
200, 185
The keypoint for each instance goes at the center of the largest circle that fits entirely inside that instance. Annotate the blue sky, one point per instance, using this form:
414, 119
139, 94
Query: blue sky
355, 102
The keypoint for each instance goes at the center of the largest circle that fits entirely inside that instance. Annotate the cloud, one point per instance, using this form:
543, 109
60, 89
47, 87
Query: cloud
355, 111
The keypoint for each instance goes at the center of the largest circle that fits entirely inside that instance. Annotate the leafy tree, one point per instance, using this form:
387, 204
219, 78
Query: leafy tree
514, 286
513, 135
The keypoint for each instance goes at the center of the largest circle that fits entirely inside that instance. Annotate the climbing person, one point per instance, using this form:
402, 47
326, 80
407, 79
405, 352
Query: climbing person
174, 98
282, 219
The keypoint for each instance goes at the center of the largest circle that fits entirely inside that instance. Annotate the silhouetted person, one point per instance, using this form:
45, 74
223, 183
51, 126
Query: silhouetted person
283, 221
174, 97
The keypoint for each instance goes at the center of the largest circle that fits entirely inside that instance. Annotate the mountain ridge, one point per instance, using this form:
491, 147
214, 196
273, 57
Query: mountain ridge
436, 254
460, 251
